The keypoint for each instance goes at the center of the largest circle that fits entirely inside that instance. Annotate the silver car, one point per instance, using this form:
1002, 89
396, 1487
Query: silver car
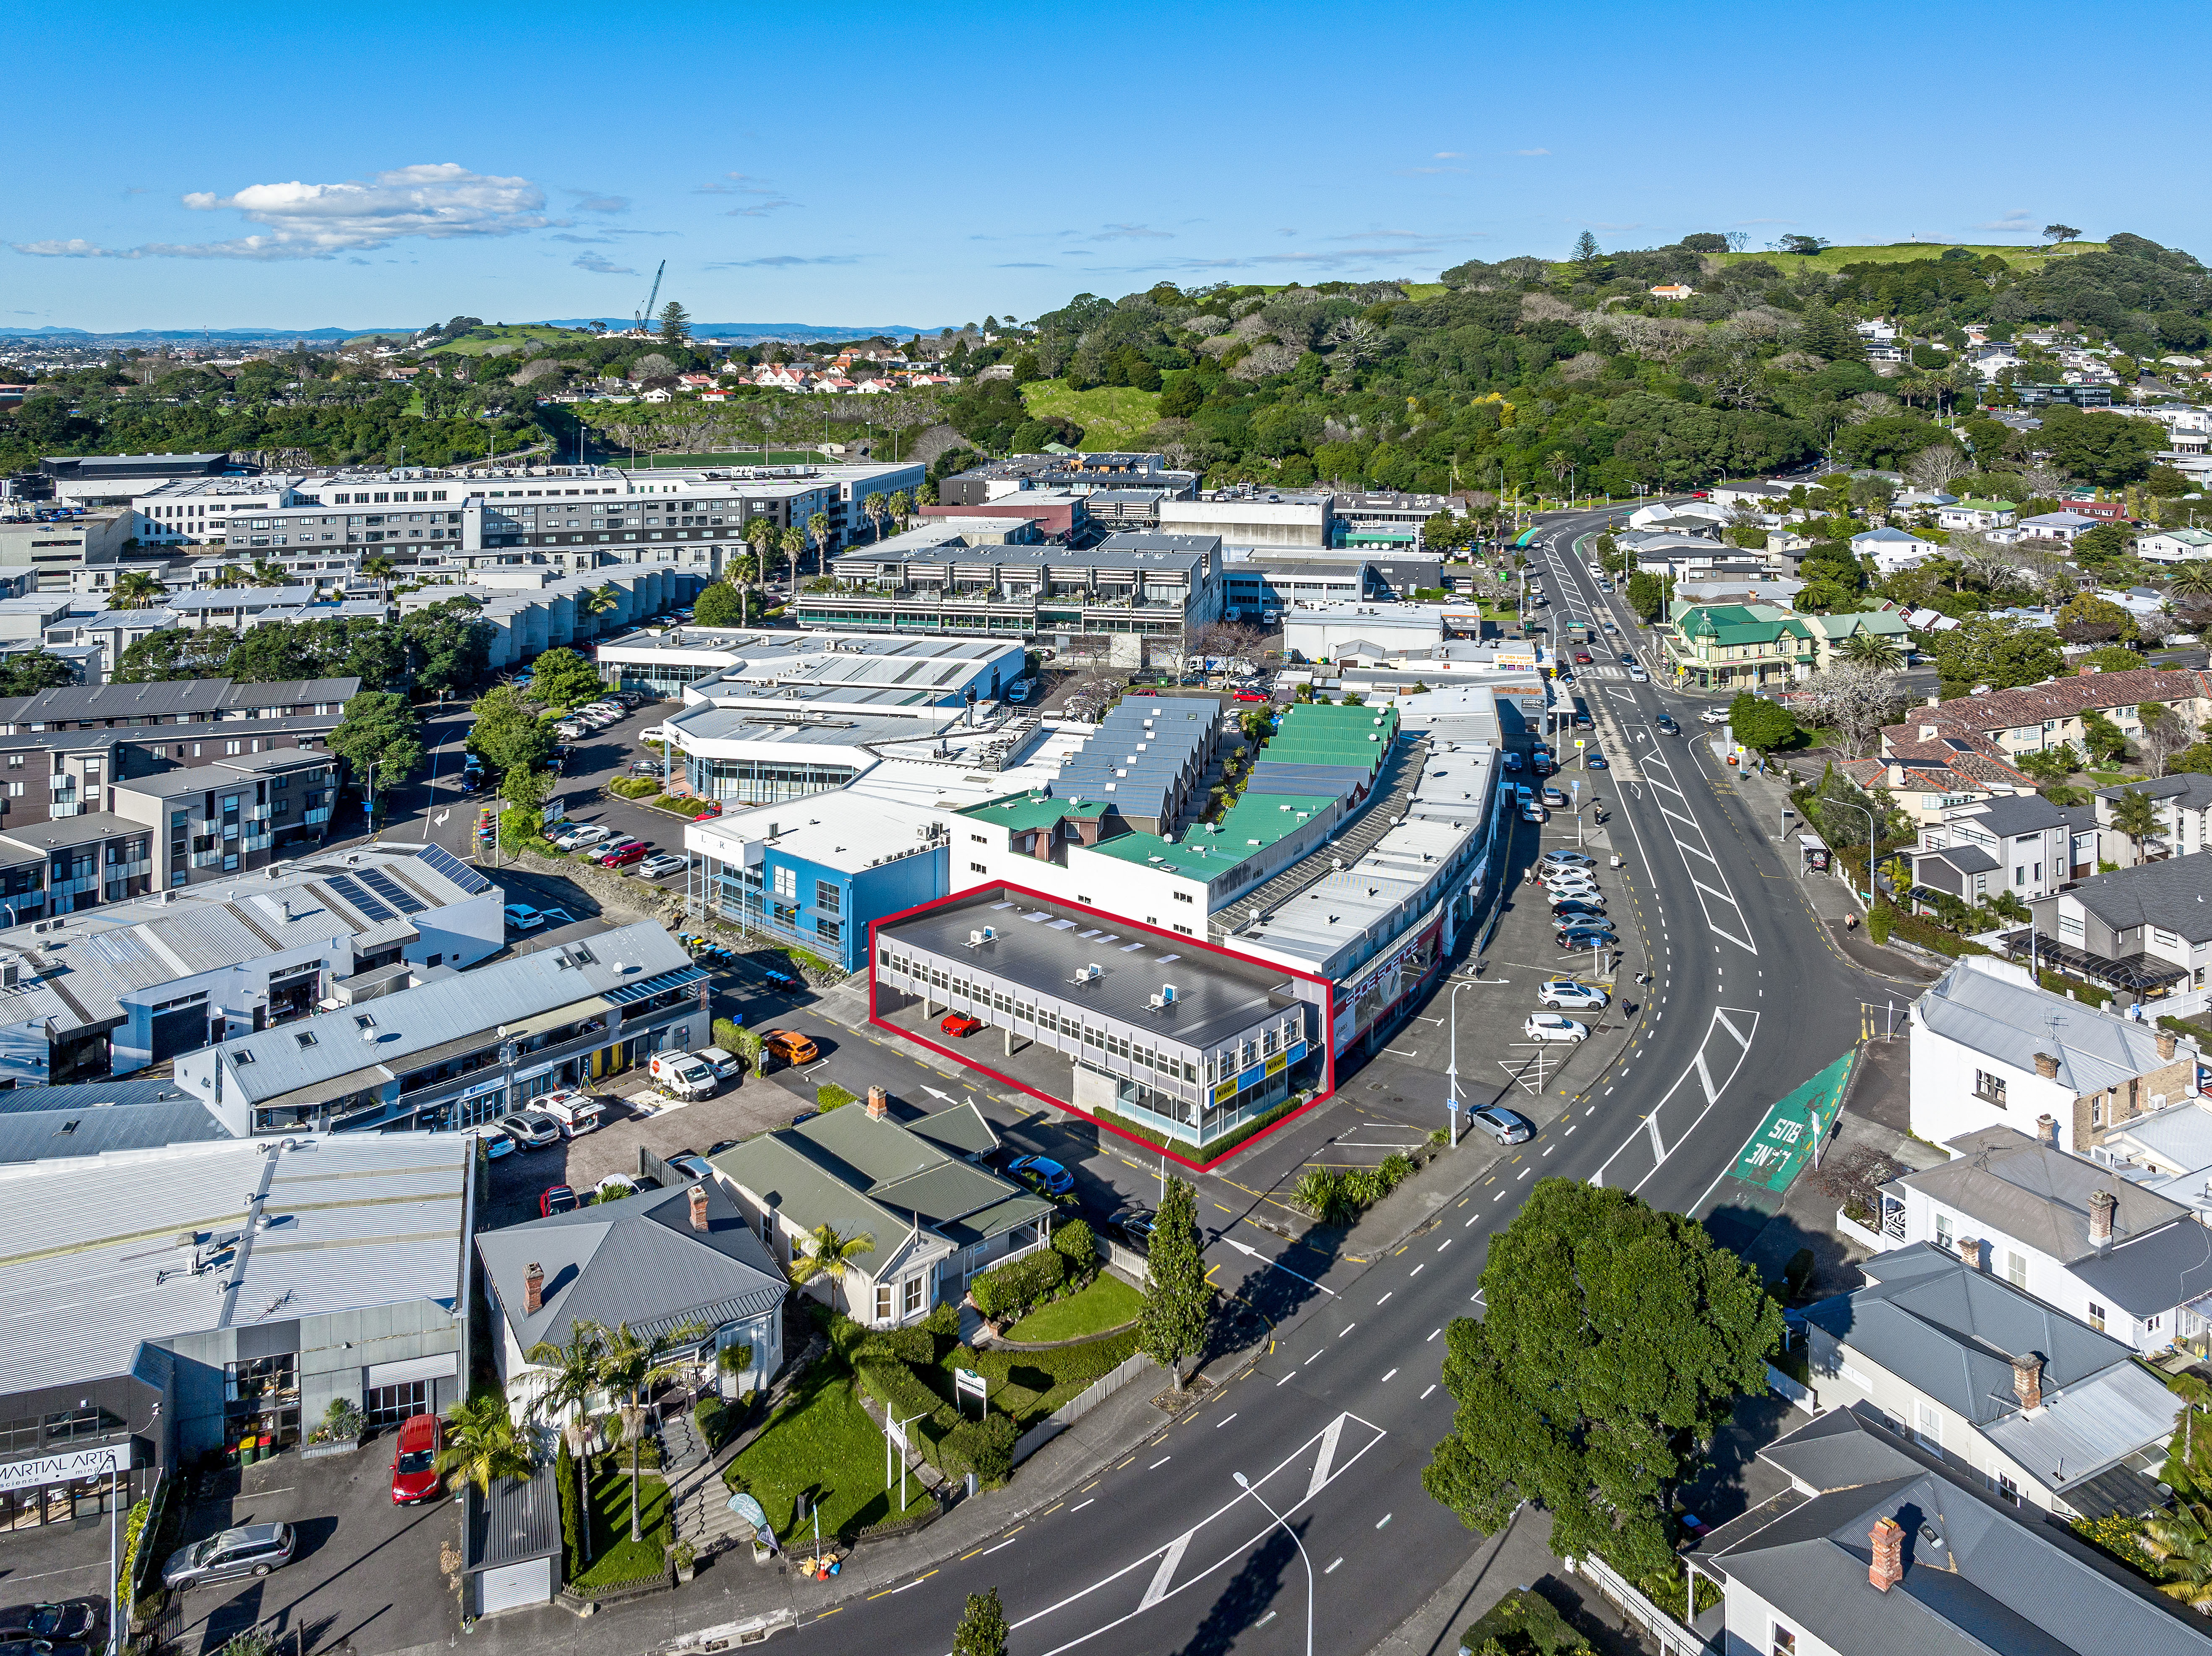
252, 1550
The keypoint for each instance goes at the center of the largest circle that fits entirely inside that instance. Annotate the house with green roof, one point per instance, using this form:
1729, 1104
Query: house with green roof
1831, 633
1736, 646
915, 1188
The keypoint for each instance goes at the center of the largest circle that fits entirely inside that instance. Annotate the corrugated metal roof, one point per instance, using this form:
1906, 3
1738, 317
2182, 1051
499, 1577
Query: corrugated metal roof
92, 1267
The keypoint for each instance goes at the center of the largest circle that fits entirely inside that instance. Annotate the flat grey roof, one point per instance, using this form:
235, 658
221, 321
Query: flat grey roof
93, 1267
1043, 944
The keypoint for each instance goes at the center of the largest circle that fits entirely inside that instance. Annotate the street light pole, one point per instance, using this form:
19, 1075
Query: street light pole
1245, 1485
1451, 1070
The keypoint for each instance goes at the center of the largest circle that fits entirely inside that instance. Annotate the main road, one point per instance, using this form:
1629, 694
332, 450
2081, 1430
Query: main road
1167, 1551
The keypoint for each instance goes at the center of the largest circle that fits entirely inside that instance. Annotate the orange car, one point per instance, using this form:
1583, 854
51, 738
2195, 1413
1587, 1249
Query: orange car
790, 1045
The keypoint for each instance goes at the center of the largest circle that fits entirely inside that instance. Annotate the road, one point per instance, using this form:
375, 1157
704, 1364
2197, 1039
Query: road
1165, 1552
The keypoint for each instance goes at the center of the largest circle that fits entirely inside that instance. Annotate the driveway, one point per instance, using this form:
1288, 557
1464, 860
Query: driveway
367, 1575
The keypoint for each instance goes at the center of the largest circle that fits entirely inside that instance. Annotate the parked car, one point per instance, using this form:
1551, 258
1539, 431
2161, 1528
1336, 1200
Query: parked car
1567, 859
725, 1064
790, 1045
661, 866
690, 1164
583, 835
1133, 1225
1533, 812
1573, 937
1514, 762
1567, 993
577, 1112
647, 767
1250, 695
959, 1024
521, 917
1569, 911
1596, 762
1054, 1178
530, 1129
495, 1144
621, 854
1584, 722
1568, 880
683, 1074
414, 1461
250, 1550
67, 1619
1506, 1126
1551, 1027
1556, 799
556, 1198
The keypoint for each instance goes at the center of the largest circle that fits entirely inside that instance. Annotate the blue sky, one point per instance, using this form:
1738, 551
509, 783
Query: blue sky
187, 165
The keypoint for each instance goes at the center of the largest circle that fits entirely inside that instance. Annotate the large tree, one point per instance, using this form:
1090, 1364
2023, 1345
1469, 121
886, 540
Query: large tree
563, 679
378, 728
1617, 1340
508, 733
1760, 724
1177, 1297
982, 1630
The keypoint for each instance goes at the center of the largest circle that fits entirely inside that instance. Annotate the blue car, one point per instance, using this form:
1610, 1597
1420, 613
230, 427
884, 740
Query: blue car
1596, 761
1056, 1179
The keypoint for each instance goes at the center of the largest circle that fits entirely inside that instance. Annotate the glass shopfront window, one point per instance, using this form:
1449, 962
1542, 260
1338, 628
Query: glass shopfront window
261, 1399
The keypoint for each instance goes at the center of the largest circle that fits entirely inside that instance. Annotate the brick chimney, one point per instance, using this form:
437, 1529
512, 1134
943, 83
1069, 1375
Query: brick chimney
2165, 1043
533, 1288
2046, 1130
699, 1207
2102, 1205
1970, 1250
880, 1103
2027, 1380
1887, 1568
2046, 1065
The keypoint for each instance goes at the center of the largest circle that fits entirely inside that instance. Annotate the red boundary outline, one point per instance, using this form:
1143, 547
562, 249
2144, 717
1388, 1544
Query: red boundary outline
1006, 889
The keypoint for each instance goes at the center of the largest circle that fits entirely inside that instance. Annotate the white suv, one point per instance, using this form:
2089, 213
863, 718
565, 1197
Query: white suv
1549, 1026
1565, 991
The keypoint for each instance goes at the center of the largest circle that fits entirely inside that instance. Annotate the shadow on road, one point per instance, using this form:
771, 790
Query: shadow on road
1247, 1597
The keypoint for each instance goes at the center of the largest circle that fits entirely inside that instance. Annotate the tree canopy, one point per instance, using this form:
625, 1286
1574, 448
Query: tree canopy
1616, 1341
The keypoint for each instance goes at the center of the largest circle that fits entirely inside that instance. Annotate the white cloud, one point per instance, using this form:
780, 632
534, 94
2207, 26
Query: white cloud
1132, 232
2016, 220
1449, 155
599, 265
759, 210
437, 200
1532, 152
587, 202
783, 261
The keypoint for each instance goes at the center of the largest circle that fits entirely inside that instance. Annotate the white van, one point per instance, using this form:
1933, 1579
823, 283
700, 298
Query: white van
577, 1112
683, 1074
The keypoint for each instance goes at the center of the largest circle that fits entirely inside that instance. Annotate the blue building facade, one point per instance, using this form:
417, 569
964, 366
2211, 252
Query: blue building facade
806, 894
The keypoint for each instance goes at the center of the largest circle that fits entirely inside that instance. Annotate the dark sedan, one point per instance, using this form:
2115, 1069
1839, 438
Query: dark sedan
72, 1618
1576, 909
1572, 937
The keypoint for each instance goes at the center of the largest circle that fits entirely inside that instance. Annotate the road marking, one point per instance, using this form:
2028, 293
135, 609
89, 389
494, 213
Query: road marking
1161, 1462
1346, 1329
1386, 1298
1471, 1218
1447, 1242
1165, 1574
1008, 1542
1285, 1379
1071, 1510
1218, 1424
1432, 1334
1332, 1569
1329, 1440
1381, 1521
1523, 1173
1424, 1397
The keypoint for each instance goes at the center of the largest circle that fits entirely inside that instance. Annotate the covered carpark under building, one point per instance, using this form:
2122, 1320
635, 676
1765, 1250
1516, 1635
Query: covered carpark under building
1128, 1025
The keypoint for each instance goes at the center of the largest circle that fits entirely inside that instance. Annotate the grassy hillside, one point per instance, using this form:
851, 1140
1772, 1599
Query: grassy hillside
1832, 259
1112, 416
477, 341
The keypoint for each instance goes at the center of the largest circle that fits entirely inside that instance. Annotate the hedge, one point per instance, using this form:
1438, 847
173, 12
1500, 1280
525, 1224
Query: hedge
712, 1418
1006, 1291
564, 1475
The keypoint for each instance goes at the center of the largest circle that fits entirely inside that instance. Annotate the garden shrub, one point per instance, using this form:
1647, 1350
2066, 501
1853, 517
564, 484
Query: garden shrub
1007, 1290
1074, 1243
986, 1445
712, 1420
944, 1321
830, 1096
564, 1476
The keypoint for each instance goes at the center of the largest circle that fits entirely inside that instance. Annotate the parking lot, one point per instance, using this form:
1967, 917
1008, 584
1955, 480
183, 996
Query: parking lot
366, 1575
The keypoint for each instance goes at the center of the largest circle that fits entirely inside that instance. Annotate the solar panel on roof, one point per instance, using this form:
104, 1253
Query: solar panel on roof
454, 869
398, 896
347, 888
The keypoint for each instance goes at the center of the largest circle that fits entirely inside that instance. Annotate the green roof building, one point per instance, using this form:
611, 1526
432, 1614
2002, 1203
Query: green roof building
1737, 647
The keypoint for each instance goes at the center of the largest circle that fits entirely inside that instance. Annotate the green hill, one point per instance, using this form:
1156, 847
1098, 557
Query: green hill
1112, 416
1832, 260
477, 341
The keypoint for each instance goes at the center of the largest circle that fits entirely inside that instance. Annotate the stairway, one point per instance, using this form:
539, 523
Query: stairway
703, 1517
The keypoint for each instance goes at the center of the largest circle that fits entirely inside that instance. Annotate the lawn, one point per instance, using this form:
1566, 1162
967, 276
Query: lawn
477, 341
1106, 1302
615, 1558
1832, 260
1030, 1385
822, 1444
1112, 416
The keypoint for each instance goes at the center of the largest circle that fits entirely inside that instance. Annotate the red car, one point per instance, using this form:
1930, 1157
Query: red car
959, 1024
621, 856
1582, 657
414, 1461
1250, 695
556, 1198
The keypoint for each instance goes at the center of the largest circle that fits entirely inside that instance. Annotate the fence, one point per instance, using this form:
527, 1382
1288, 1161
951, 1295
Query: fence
1671, 1636
1126, 1260
1799, 1394
1079, 1405
1872, 1241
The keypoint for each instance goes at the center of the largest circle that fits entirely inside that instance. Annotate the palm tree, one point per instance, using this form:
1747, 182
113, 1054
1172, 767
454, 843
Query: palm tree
902, 506
267, 574
793, 541
572, 1381
600, 599
2181, 1541
2193, 580
136, 591
829, 1254
379, 570
629, 1367
740, 572
229, 575
818, 531
764, 538
874, 506
2135, 814
482, 1445
1871, 650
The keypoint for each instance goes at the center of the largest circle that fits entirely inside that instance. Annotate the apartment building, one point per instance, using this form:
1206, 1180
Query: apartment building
2017, 843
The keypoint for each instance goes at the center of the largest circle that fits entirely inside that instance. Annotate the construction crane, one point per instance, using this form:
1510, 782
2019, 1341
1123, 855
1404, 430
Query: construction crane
647, 317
